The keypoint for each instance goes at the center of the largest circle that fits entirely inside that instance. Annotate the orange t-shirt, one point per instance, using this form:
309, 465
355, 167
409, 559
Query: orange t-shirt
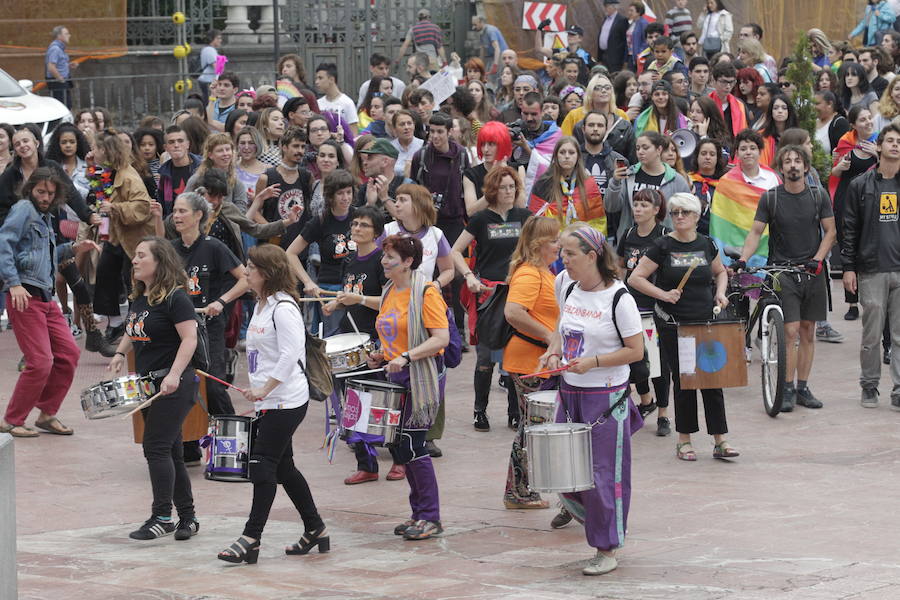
532, 287
392, 323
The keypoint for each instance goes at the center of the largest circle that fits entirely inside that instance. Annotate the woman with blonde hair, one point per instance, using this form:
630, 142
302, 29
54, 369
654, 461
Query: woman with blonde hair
889, 105
819, 47
218, 153
751, 53
532, 310
271, 125
600, 96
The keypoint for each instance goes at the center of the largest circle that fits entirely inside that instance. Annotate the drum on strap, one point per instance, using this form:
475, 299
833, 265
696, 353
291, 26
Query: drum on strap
229, 444
373, 407
540, 407
711, 354
348, 351
559, 457
115, 397
651, 342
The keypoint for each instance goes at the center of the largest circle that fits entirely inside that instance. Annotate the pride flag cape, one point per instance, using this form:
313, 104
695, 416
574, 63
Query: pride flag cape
647, 121
847, 143
739, 120
732, 212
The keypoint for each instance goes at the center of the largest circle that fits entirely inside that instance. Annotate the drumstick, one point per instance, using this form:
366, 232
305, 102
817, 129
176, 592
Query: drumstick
538, 374
355, 373
315, 299
145, 403
214, 378
695, 262
329, 292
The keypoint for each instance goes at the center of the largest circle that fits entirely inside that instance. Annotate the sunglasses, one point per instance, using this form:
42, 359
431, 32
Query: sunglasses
680, 213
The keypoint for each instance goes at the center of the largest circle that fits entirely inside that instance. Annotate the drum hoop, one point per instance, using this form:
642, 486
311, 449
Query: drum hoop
342, 342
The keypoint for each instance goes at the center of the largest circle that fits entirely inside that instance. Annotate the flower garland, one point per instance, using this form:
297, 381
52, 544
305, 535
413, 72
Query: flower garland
100, 181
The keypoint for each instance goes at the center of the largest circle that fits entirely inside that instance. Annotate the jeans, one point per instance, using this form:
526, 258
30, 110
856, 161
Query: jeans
113, 273
217, 398
879, 294
51, 356
163, 450
271, 463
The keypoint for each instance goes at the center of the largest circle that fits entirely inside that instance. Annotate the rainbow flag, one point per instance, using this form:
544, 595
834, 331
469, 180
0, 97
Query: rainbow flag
732, 212
286, 89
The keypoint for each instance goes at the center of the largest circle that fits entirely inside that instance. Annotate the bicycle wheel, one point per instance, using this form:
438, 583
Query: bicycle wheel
773, 356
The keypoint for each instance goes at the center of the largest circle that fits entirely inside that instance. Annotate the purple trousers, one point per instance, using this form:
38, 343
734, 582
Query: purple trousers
603, 509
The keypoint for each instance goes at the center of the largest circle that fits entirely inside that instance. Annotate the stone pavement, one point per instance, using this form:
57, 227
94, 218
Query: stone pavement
803, 514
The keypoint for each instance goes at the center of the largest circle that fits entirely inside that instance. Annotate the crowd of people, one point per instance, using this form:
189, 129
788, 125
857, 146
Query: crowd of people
404, 214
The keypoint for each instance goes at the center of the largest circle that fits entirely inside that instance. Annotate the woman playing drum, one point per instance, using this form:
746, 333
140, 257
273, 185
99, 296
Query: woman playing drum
280, 393
413, 329
161, 325
671, 257
596, 347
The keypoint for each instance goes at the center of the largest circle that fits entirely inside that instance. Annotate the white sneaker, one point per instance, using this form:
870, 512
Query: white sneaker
600, 564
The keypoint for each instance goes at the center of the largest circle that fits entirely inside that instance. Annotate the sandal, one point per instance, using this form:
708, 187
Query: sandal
54, 426
688, 455
723, 450
240, 551
20, 431
310, 540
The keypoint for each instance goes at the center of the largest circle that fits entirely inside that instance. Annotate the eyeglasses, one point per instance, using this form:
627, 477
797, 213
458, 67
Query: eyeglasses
680, 213
726, 82
318, 129
603, 88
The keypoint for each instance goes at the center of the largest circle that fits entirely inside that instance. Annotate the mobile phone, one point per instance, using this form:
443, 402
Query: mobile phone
621, 163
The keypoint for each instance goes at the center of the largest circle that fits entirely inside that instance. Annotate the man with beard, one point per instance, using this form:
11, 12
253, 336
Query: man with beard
599, 157
294, 187
796, 216
378, 159
28, 271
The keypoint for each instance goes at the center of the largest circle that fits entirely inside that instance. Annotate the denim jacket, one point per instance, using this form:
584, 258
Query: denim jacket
27, 248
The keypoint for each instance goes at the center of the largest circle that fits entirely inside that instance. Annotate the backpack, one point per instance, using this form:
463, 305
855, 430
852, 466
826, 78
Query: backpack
318, 367
193, 65
453, 351
492, 328
200, 360
640, 369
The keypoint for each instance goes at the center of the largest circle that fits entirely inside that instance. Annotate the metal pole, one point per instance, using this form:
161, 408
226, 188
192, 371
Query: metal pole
276, 47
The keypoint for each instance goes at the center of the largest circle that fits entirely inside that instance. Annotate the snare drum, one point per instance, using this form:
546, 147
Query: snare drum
116, 397
348, 351
540, 407
229, 442
373, 407
559, 457
651, 342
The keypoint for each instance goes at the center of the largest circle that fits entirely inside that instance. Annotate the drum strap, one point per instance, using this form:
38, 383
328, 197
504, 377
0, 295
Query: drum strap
159, 374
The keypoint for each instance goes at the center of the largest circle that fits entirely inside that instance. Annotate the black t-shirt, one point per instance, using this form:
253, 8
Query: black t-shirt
674, 258
208, 263
476, 175
887, 192
152, 330
596, 166
496, 239
645, 181
333, 236
180, 176
631, 248
794, 228
297, 193
362, 275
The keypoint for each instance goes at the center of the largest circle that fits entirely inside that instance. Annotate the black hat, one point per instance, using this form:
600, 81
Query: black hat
575, 29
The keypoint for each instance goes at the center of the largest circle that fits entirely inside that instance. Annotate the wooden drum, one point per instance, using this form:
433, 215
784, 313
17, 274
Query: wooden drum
711, 355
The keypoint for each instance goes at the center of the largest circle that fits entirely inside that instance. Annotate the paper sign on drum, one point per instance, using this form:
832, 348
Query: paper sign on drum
357, 410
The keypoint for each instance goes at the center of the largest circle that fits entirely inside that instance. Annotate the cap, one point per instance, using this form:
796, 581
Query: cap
575, 29
265, 89
424, 13
381, 146
662, 84
605, 2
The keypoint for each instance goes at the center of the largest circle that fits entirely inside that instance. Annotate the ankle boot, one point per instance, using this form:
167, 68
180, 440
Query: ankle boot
93, 338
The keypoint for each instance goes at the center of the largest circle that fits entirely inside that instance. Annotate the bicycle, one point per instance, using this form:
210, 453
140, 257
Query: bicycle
745, 286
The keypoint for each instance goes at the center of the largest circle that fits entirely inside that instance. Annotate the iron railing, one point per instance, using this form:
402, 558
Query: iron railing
150, 21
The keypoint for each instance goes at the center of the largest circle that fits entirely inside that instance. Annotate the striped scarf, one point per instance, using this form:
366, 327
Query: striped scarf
423, 375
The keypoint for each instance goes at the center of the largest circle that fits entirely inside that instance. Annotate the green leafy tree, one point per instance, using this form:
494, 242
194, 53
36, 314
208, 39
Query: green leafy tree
800, 73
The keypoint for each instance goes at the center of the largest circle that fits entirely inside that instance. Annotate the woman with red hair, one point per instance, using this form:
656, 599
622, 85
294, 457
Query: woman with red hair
749, 81
475, 70
494, 146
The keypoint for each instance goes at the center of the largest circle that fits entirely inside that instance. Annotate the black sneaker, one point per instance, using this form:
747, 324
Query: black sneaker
852, 314
186, 528
869, 397
663, 426
805, 398
152, 529
788, 398
646, 409
562, 518
481, 422
433, 450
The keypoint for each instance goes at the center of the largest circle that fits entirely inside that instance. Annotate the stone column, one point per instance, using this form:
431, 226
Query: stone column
7, 518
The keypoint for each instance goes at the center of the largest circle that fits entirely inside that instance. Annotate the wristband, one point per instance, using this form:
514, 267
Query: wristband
122, 354
597, 360
556, 355
220, 301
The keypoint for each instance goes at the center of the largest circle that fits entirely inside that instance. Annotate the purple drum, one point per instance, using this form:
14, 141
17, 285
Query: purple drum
229, 442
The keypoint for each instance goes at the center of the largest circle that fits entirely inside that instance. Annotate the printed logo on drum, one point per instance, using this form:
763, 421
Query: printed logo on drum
134, 327
352, 409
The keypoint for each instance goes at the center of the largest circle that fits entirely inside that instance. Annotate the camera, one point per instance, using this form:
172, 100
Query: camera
310, 156
438, 200
515, 129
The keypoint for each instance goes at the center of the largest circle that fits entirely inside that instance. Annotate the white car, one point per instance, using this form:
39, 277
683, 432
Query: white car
18, 105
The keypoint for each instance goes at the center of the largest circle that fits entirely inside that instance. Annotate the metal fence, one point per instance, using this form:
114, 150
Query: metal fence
150, 21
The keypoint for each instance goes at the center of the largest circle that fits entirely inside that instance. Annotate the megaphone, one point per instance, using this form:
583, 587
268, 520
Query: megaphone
686, 141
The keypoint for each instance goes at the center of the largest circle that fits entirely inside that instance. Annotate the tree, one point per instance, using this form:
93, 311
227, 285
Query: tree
800, 73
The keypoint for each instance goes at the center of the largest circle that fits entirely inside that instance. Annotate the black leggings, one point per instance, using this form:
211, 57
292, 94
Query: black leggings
686, 400
271, 463
72, 275
113, 274
162, 449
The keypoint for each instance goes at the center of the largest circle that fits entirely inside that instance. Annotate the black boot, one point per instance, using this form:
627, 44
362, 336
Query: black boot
93, 339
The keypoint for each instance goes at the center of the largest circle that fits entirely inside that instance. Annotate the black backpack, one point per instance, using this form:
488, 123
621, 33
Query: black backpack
200, 360
640, 369
492, 328
193, 65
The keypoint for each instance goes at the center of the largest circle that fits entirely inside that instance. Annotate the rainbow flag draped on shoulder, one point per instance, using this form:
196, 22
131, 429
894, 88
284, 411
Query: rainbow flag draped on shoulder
732, 212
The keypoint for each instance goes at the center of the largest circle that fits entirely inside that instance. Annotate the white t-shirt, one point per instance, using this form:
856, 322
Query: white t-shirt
405, 154
342, 105
434, 244
587, 329
272, 351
